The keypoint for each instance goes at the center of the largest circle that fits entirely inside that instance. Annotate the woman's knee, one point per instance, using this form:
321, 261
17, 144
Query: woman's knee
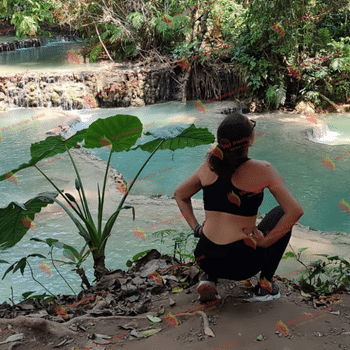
271, 219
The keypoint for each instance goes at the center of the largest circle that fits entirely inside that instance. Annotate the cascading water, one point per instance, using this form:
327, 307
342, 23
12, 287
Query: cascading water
322, 134
333, 130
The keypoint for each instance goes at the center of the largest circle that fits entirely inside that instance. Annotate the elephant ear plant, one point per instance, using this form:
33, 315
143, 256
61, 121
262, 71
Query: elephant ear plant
118, 133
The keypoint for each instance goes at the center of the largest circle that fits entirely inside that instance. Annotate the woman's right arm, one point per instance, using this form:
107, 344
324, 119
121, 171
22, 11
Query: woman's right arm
290, 205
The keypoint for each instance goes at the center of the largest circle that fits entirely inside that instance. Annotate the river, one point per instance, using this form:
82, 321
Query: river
282, 139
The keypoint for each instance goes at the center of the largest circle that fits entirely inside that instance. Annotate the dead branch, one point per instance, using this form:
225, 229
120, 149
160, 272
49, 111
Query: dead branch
329, 101
46, 326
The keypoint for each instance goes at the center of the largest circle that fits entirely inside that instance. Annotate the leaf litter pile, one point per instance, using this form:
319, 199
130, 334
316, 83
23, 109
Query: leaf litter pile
119, 295
140, 299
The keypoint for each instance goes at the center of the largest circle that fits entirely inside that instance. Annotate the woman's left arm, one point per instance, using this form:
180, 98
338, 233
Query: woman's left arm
183, 194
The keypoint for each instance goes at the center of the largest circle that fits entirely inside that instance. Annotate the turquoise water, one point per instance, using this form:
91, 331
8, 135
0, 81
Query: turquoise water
52, 56
285, 145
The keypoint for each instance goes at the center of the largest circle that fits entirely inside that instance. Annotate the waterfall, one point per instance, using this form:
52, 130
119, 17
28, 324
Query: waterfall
39, 95
322, 134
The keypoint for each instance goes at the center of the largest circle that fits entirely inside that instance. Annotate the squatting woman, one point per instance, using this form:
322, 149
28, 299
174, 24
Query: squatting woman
233, 189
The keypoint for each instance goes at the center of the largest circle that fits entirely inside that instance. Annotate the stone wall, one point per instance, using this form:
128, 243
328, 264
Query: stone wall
101, 88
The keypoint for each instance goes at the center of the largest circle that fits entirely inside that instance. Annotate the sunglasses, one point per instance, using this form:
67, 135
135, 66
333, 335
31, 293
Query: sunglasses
254, 122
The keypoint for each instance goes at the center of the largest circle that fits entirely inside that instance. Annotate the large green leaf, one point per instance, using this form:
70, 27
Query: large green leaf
119, 132
17, 218
51, 146
178, 137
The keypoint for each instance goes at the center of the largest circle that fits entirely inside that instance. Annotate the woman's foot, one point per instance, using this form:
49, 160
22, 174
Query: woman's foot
207, 289
265, 291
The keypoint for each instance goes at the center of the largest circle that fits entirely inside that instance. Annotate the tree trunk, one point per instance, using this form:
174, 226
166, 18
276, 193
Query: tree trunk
204, 29
84, 279
99, 267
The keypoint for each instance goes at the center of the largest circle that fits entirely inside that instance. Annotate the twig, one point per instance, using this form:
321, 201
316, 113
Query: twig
207, 329
45, 326
13, 304
103, 318
296, 256
31, 271
99, 38
60, 273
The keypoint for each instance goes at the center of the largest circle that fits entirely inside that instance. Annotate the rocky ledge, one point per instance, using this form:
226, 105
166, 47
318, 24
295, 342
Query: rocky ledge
19, 44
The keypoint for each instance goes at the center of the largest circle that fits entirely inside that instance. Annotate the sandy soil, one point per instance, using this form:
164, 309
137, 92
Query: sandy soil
233, 321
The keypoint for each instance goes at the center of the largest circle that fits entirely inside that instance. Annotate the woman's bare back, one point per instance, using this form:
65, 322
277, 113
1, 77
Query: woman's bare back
225, 228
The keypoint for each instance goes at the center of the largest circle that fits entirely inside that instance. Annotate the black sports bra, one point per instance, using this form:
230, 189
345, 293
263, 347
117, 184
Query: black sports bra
222, 196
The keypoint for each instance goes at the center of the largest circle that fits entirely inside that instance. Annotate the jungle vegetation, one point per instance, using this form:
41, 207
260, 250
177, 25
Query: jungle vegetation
286, 51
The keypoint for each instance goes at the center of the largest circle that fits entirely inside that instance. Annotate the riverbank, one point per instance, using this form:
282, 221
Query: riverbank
120, 315
158, 209
155, 209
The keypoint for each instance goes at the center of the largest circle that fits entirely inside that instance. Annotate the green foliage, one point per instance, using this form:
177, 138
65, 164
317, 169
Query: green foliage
70, 253
276, 96
137, 19
181, 240
327, 74
95, 52
325, 276
337, 21
292, 254
26, 15
45, 297
273, 37
117, 133
137, 257
21, 264
76, 258
268, 37
324, 37
186, 49
17, 218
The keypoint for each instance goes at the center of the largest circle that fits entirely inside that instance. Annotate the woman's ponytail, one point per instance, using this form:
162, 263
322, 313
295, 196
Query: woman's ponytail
233, 136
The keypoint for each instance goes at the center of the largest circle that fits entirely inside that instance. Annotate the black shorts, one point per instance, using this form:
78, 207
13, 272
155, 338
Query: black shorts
238, 261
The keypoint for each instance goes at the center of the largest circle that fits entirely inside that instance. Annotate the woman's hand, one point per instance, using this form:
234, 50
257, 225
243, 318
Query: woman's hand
201, 230
256, 235
198, 230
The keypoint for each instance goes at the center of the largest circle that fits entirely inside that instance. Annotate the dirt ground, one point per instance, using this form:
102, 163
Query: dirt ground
236, 324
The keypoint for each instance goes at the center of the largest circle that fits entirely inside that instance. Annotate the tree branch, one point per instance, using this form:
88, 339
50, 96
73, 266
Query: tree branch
99, 38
